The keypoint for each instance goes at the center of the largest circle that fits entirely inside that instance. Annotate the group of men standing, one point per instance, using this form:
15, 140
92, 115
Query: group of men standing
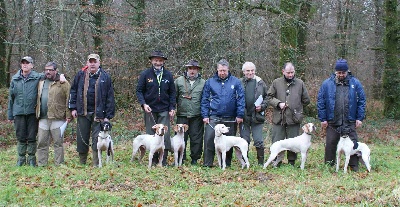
38, 101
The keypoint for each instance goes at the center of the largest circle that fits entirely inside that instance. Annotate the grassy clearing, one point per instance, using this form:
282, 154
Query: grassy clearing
123, 183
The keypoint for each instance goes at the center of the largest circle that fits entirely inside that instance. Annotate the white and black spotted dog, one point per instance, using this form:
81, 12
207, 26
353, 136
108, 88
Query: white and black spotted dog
104, 142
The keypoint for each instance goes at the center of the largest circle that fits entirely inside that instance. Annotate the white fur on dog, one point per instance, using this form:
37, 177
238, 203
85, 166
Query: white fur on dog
105, 143
297, 144
152, 143
178, 143
345, 146
225, 143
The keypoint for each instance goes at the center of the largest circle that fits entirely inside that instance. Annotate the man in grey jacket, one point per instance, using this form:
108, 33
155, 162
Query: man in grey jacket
255, 89
189, 88
287, 96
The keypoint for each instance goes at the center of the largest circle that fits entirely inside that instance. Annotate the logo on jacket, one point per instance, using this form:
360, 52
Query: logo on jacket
233, 87
352, 86
150, 80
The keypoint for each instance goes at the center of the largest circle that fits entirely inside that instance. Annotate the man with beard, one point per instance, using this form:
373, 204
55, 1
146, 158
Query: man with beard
287, 96
189, 88
52, 112
341, 109
157, 96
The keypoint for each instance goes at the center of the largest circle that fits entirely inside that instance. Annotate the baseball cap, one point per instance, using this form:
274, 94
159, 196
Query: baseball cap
27, 58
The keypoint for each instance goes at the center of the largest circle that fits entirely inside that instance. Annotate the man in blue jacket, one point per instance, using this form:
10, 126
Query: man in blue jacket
341, 109
91, 101
157, 96
222, 102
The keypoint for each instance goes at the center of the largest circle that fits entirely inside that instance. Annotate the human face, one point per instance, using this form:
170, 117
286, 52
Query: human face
157, 62
50, 72
93, 65
26, 66
192, 71
341, 75
249, 72
222, 71
288, 71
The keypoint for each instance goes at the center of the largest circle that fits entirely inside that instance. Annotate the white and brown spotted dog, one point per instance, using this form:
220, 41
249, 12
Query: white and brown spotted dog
152, 143
297, 144
104, 142
178, 143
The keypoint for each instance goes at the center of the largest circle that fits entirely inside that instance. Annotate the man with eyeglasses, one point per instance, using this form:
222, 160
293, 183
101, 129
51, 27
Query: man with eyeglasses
341, 109
52, 112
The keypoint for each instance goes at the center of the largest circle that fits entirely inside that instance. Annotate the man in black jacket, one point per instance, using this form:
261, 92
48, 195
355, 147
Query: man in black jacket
91, 101
157, 96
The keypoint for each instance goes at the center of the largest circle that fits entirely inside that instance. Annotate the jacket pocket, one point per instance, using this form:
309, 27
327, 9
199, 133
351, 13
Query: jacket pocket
259, 117
297, 116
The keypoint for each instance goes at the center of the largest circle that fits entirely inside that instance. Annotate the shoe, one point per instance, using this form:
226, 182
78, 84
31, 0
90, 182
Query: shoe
208, 166
291, 162
193, 162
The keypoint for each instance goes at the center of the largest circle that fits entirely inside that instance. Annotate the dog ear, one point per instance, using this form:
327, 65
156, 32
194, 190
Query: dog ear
165, 128
186, 127
176, 128
305, 128
154, 127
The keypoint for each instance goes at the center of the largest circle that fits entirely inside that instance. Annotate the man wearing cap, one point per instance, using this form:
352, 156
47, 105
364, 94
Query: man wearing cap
222, 102
287, 95
91, 101
189, 89
52, 112
21, 110
341, 109
157, 96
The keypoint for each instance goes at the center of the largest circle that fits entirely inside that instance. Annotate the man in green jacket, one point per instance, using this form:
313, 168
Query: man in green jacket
189, 89
21, 110
52, 112
287, 96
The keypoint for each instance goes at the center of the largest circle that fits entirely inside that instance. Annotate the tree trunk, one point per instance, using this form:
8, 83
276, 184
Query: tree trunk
3, 47
391, 81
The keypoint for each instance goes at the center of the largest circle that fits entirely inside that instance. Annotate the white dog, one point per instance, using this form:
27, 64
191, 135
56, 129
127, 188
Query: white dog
152, 143
297, 144
345, 146
104, 142
225, 143
178, 143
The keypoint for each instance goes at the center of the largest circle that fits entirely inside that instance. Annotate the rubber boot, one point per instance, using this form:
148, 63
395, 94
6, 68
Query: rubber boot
95, 159
260, 155
83, 158
164, 160
31, 149
21, 149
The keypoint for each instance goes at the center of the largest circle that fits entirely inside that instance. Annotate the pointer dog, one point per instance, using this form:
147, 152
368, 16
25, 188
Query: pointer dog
178, 143
225, 143
345, 146
104, 142
152, 143
297, 144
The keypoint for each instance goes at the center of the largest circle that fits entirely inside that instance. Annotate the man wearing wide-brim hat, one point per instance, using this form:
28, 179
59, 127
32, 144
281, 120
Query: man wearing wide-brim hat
156, 94
189, 88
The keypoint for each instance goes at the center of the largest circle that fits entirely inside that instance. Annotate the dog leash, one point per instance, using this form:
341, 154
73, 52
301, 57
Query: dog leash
151, 115
78, 129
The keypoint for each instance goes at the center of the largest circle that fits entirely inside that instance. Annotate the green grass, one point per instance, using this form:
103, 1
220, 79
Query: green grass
123, 183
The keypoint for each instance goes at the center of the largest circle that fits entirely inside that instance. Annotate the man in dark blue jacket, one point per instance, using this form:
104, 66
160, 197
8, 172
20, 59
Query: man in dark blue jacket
157, 96
222, 102
341, 109
91, 101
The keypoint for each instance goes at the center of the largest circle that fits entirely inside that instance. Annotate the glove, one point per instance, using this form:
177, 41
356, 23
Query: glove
355, 144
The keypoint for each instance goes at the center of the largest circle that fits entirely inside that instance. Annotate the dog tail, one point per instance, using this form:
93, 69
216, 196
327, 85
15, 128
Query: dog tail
109, 149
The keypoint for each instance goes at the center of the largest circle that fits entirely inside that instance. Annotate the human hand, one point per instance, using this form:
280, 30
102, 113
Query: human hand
239, 120
206, 120
282, 105
172, 113
324, 124
358, 123
74, 113
258, 108
68, 120
62, 78
146, 108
